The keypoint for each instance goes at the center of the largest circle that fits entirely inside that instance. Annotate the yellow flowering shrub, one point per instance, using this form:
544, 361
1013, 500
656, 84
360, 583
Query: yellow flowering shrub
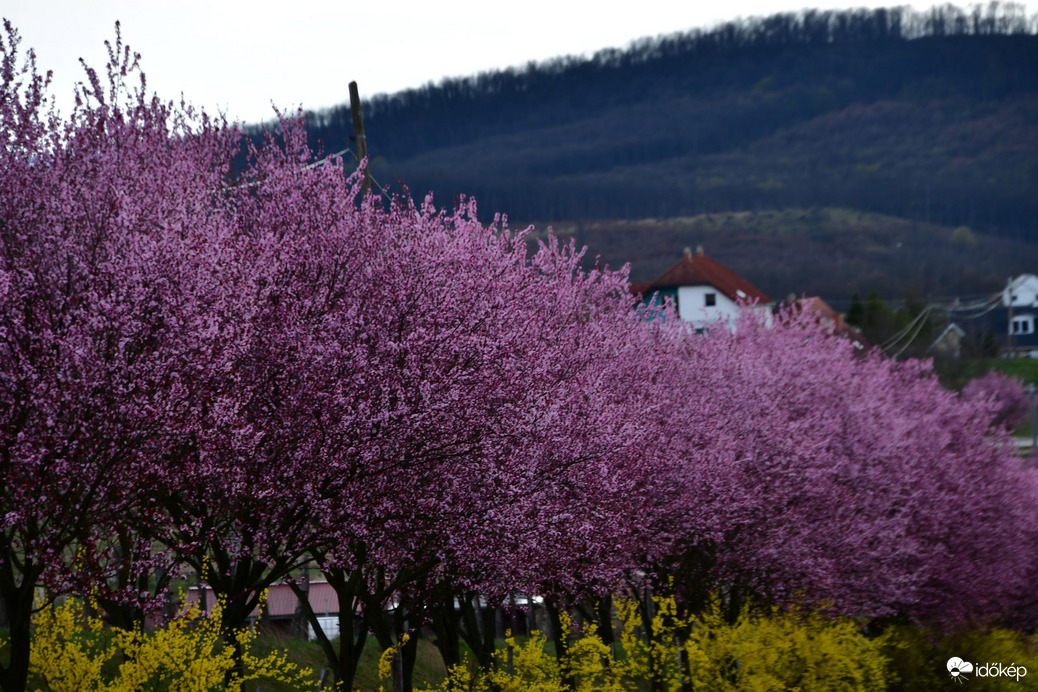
919, 658
783, 650
385, 661
780, 650
68, 650
72, 651
655, 659
589, 662
535, 669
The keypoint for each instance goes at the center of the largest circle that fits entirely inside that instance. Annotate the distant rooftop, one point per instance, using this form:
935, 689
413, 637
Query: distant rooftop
699, 270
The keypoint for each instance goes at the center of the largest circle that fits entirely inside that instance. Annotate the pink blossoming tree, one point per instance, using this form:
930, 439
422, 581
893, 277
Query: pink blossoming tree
474, 417
860, 484
1004, 396
96, 215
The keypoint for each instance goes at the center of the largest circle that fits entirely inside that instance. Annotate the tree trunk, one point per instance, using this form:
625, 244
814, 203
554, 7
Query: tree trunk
14, 676
408, 655
299, 618
489, 632
561, 638
343, 663
239, 584
604, 615
646, 610
475, 631
376, 620
446, 627
19, 598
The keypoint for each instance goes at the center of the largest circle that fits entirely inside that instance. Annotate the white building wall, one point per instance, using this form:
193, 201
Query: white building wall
329, 625
692, 306
1024, 291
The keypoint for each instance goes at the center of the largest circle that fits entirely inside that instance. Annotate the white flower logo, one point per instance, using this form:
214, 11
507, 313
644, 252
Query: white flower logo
957, 667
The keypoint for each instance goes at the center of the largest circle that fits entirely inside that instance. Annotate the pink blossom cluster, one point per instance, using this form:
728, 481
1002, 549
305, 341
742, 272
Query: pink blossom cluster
1003, 396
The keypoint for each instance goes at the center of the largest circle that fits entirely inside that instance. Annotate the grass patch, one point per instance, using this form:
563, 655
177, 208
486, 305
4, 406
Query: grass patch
428, 670
1024, 368
303, 654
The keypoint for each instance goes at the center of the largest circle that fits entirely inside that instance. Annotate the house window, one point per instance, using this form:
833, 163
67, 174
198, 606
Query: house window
1023, 325
711, 300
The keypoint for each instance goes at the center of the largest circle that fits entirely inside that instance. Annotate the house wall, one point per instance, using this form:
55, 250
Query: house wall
692, 306
329, 625
1022, 324
1024, 291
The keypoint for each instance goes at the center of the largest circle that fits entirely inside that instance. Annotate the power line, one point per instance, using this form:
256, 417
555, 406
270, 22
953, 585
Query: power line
326, 159
982, 309
896, 339
912, 338
321, 162
381, 190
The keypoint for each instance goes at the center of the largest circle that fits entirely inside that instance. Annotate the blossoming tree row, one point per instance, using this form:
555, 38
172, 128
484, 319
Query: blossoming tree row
236, 370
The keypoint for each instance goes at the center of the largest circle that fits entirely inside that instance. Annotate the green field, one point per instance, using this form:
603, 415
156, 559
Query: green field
1024, 368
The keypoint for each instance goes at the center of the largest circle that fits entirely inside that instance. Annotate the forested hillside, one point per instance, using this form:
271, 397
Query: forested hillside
930, 117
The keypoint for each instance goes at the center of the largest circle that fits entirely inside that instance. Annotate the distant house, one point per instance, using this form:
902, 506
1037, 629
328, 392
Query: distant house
1020, 310
1011, 317
1021, 292
705, 291
825, 313
949, 343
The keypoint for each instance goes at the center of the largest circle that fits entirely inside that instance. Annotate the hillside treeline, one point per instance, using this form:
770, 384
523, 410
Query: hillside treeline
926, 115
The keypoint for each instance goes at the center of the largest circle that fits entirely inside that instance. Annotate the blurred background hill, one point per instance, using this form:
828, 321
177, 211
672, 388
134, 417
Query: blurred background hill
816, 152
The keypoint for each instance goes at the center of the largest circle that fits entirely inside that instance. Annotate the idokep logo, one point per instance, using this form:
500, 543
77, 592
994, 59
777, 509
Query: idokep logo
959, 670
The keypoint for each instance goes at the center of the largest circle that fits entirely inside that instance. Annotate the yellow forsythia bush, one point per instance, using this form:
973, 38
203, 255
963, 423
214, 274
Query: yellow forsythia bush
385, 661
776, 651
919, 658
535, 669
74, 652
783, 650
655, 659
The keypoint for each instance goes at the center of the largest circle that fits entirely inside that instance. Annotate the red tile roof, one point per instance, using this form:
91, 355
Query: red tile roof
828, 317
700, 270
822, 309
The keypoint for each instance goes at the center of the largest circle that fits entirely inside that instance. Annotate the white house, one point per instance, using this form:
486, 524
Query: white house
1021, 292
1020, 301
704, 290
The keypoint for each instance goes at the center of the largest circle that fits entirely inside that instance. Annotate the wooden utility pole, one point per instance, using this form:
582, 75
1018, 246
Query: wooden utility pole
358, 134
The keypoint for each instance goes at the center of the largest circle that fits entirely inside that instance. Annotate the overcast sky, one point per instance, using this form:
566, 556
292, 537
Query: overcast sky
238, 57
